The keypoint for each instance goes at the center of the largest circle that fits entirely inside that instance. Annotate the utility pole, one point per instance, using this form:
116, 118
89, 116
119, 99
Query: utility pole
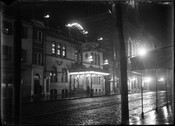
156, 90
123, 63
17, 66
142, 93
114, 46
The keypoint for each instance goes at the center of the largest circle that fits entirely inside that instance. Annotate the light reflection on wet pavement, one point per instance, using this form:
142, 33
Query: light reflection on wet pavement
97, 111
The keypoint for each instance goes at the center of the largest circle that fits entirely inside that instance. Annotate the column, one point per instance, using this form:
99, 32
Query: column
70, 90
32, 86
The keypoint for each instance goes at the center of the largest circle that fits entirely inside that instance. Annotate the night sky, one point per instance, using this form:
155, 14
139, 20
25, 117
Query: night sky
156, 18
157, 21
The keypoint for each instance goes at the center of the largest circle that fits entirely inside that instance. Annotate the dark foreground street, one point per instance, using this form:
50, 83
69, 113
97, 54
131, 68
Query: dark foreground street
88, 111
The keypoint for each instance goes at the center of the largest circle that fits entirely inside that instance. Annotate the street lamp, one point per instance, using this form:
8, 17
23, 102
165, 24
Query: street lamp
160, 80
101, 38
46, 16
142, 52
142, 94
147, 80
163, 80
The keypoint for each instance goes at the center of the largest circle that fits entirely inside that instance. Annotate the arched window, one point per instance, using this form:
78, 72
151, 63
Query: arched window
37, 76
37, 86
64, 75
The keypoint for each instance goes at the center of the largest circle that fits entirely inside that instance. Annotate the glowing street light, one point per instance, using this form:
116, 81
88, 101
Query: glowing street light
133, 79
147, 79
101, 38
46, 16
161, 79
142, 51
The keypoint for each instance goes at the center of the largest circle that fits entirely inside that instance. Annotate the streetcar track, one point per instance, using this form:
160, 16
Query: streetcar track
89, 106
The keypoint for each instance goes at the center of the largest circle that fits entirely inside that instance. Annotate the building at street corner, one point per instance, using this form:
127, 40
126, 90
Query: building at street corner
53, 62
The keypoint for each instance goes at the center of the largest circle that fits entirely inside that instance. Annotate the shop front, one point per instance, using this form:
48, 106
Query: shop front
87, 81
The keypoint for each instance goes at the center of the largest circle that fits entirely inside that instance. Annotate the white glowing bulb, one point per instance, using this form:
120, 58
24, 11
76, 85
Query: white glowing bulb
142, 51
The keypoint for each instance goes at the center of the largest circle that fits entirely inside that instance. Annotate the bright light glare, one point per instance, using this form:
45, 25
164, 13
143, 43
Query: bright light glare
106, 62
133, 79
147, 79
100, 38
77, 26
85, 32
161, 79
46, 16
88, 73
110, 12
90, 58
142, 51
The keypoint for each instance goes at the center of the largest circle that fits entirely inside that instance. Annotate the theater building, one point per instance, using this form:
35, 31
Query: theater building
51, 62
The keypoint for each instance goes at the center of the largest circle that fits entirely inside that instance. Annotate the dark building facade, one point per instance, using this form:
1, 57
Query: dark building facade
49, 58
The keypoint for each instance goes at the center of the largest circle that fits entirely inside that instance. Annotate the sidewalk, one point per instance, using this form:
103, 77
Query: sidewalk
73, 96
58, 98
164, 116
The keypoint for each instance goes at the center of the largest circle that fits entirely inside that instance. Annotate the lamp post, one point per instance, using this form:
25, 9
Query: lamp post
91, 95
156, 90
162, 80
166, 88
142, 52
142, 95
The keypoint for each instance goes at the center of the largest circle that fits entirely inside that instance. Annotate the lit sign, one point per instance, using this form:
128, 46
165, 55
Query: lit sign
88, 72
77, 26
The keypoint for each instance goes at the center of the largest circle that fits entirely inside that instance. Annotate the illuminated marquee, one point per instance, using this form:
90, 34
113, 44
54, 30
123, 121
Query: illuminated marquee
89, 72
77, 26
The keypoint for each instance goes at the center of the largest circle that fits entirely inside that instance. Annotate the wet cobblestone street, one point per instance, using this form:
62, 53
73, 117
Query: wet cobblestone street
87, 111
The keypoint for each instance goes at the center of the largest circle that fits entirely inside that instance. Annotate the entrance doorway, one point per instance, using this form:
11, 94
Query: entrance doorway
37, 86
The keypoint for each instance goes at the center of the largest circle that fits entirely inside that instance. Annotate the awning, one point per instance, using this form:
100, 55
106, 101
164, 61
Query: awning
89, 70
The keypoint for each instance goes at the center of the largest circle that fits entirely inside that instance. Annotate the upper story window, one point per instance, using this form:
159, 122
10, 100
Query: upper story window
24, 32
7, 28
53, 47
63, 50
59, 49
7, 53
38, 36
37, 58
76, 56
